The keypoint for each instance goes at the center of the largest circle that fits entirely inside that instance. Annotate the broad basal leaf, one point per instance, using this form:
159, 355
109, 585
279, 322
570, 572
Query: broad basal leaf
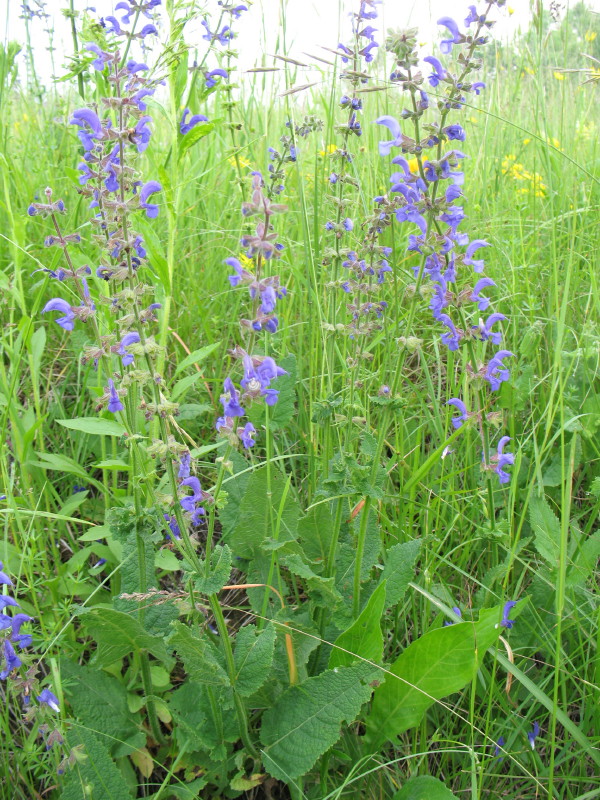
95, 777
399, 569
364, 637
95, 425
306, 720
99, 702
119, 635
438, 664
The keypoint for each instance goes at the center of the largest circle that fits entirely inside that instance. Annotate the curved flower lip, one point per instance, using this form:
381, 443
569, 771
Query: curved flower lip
58, 304
85, 116
437, 65
393, 125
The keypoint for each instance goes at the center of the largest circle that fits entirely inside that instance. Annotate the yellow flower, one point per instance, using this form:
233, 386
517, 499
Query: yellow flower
590, 35
526, 141
554, 142
558, 75
331, 148
243, 162
413, 164
246, 262
510, 10
474, 120
528, 70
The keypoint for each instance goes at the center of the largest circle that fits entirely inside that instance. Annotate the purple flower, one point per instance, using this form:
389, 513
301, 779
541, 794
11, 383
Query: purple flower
100, 62
469, 261
114, 25
463, 415
11, 658
457, 38
138, 97
4, 579
85, 118
134, 66
268, 370
532, 735
230, 400
147, 30
498, 749
210, 77
189, 503
58, 304
348, 224
453, 337
385, 148
458, 613
499, 461
477, 86
477, 297
496, 373
142, 133
173, 526
485, 330
246, 434
455, 132
151, 187
184, 466
46, 697
439, 72
124, 6
130, 338
186, 127
505, 622
114, 401
223, 37
5, 601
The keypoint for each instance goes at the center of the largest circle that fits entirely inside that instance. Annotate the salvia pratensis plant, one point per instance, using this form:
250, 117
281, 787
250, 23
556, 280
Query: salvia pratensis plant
226, 699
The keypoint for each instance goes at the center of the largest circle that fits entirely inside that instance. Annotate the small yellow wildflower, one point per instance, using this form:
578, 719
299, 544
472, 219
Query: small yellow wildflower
243, 162
331, 148
413, 164
558, 75
510, 10
526, 142
590, 36
528, 70
246, 262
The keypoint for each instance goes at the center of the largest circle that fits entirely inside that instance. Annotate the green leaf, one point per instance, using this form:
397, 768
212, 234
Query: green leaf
182, 386
192, 137
119, 635
202, 661
95, 425
253, 657
60, 463
438, 664
546, 528
256, 522
322, 590
364, 637
155, 249
399, 569
112, 463
202, 724
305, 721
220, 570
314, 533
99, 702
95, 776
424, 787
197, 356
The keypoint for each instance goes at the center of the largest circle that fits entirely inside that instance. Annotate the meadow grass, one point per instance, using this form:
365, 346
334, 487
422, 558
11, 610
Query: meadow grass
544, 260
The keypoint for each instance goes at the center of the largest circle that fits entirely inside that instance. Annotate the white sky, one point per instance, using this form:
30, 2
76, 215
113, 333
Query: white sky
311, 25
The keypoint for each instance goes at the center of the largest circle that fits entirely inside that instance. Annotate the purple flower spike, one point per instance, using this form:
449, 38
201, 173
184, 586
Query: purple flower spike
469, 261
58, 304
463, 415
46, 697
532, 735
457, 38
147, 189
385, 148
499, 461
184, 466
189, 503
